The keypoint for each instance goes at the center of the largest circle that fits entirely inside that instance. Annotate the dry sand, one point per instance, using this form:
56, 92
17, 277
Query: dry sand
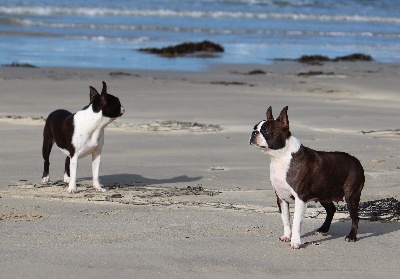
187, 195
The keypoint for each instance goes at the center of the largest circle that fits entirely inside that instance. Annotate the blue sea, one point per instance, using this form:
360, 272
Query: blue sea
108, 33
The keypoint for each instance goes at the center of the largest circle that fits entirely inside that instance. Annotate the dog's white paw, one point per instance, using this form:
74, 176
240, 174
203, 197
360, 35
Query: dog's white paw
71, 190
97, 186
99, 189
66, 178
45, 180
285, 238
295, 243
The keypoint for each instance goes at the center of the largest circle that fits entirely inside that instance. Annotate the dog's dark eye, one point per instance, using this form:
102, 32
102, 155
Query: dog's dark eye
266, 133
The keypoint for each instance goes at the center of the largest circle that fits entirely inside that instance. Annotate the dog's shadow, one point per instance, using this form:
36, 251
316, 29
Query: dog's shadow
366, 229
126, 180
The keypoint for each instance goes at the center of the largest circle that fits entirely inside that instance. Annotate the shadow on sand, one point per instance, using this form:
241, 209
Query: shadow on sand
366, 229
134, 180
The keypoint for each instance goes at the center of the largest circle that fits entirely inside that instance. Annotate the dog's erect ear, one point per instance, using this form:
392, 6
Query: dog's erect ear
104, 90
93, 93
269, 114
283, 117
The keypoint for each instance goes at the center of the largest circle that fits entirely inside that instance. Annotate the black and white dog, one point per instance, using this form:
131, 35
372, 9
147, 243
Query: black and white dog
80, 134
300, 174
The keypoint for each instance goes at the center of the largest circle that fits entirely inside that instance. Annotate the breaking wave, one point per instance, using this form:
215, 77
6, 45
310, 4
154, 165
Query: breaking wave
199, 30
91, 11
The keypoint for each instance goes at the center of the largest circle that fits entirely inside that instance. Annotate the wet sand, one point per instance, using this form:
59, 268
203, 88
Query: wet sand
188, 197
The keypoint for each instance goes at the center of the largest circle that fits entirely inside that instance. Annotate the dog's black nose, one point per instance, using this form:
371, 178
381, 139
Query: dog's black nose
252, 136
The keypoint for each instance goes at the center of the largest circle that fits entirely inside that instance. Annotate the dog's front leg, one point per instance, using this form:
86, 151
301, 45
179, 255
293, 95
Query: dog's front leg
285, 215
96, 159
73, 165
299, 210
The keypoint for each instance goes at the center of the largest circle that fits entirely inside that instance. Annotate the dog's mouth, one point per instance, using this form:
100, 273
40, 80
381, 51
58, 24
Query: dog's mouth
262, 147
258, 146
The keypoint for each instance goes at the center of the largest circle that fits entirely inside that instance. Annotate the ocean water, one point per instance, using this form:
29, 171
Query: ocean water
108, 34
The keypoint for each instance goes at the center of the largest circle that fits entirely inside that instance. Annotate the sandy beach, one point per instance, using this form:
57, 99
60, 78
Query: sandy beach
188, 197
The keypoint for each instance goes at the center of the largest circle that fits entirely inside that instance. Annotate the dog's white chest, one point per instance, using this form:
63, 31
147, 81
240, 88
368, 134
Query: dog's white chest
85, 144
278, 172
89, 132
279, 167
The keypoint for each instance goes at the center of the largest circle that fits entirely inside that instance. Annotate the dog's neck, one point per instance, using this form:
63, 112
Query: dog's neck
92, 121
292, 146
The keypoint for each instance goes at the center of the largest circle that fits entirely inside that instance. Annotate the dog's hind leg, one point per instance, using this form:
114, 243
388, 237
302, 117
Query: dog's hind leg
67, 172
352, 203
46, 149
330, 211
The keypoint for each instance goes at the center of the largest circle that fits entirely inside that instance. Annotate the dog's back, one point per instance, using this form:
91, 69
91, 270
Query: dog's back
325, 176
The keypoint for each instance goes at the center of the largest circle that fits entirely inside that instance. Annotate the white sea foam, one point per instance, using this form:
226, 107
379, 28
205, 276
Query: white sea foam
109, 39
48, 11
26, 22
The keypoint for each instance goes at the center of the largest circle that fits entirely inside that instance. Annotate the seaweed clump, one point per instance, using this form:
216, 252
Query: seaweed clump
384, 209
19, 65
205, 47
354, 57
319, 59
313, 59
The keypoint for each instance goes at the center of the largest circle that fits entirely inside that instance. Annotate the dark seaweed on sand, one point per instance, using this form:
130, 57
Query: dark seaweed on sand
315, 73
316, 59
354, 57
186, 48
313, 59
20, 65
319, 59
383, 209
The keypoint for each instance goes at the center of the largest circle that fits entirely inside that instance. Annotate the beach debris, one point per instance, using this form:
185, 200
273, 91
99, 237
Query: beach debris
317, 59
256, 72
169, 125
354, 57
17, 119
383, 132
313, 59
153, 126
231, 83
253, 72
121, 74
20, 217
135, 195
315, 73
312, 243
220, 168
204, 47
19, 65
387, 209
